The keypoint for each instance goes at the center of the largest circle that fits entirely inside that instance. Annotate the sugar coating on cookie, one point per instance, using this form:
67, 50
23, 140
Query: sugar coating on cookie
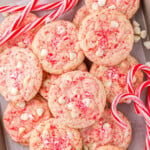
108, 147
49, 78
78, 98
106, 37
127, 7
24, 40
80, 15
21, 118
20, 74
106, 131
114, 78
57, 46
52, 135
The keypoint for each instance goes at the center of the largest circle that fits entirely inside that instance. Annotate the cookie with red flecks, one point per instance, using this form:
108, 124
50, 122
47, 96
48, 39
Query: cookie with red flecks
109, 147
57, 47
127, 7
24, 40
114, 78
20, 74
106, 131
49, 78
80, 15
21, 118
106, 37
52, 135
78, 98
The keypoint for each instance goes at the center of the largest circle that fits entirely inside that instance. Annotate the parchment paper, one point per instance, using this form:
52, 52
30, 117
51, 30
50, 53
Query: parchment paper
137, 122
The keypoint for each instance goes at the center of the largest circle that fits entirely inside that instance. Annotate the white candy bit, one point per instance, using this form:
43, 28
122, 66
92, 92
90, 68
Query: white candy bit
24, 116
21, 104
136, 38
74, 114
40, 111
101, 2
21, 130
19, 65
112, 7
114, 24
69, 135
147, 63
135, 23
72, 56
147, 44
106, 126
137, 30
86, 101
21, 44
99, 52
61, 100
44, 52
14, 91
108, 83
95, 6
70, 106
143, 34
61, 30
45, 133
134, 79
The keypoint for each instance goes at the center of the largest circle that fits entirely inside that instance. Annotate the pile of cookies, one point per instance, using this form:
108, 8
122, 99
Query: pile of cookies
54, 102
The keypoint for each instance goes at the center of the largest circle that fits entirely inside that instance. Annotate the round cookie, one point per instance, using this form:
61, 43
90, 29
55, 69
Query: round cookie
49, 78
57, 46
21, 118
106, 37
80, 15
108, 147
107, 131
78, 98
52, 135
114, 78
24, 40
20, 74
127, 7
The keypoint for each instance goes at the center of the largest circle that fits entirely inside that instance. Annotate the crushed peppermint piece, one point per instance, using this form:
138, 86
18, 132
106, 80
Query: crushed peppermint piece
14, 91
70, 106
74, 114
61, 100
136, 38
143, 34
86, 101
40, 111
99, 52
44, 52
21, 104
147, 44
69, 135
21, 44
101, 2
135, 23
106, 126
61, 30
114, 24
19, 65
24, 116
134, 79
112, 7
45, 133
72, 56
95, 6
137, 30
21, 130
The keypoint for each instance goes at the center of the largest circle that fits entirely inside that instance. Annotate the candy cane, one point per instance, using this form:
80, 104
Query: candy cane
52, 16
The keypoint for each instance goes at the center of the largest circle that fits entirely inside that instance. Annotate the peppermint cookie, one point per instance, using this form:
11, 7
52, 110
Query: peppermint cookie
78, 98
114, 78
108, 147
107, 131
51, 135
80, 15
24, 40
106, 37
20, 74
57, 46
49, 78
21, 118
127, 7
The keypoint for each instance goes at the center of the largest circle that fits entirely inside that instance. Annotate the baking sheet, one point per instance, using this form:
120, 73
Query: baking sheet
139, 52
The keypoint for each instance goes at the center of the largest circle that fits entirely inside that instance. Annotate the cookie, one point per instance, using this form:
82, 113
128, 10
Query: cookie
114, 78
49, 78
21, 118
51, 135
107, 131
24, 40
108, 147
127, 7
80, 15
56, 45
20, 74
78, 98
106, 37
